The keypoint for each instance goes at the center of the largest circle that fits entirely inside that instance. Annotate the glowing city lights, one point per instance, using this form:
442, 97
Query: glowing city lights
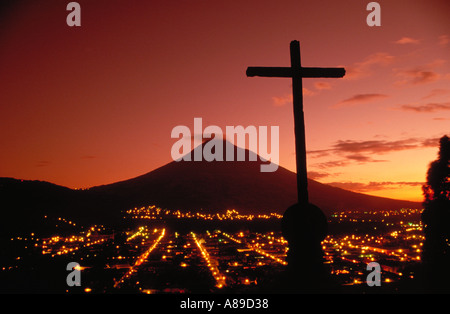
226, 257
141, 259
212, 264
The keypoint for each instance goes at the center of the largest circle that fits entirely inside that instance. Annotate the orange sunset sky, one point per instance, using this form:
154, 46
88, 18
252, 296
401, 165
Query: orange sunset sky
91, 105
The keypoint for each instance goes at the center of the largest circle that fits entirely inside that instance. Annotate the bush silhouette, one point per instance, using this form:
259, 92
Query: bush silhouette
436, 218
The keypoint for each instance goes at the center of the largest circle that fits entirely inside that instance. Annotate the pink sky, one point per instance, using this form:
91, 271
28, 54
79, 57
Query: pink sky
96, 104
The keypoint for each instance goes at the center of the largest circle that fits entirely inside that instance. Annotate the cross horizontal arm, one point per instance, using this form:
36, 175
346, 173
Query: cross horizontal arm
289, 72
322, 72
269, 71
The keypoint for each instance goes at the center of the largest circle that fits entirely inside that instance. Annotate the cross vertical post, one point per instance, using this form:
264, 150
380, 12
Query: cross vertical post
299, 125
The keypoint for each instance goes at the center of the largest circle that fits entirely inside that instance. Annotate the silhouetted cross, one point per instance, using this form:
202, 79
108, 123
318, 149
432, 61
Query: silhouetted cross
297, 72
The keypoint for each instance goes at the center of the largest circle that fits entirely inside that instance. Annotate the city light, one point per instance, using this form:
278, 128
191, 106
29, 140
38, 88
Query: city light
155, 213
212, 264
140, 259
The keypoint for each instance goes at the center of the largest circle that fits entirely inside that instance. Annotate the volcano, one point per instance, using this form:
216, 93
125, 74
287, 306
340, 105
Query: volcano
220, 185
210, 186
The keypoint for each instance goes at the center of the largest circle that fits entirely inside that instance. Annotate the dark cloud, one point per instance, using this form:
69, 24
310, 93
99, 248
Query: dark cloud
441, 119
316, 175
372, 186
420, 75
362, 151
362, 158
42, 163
360, 98
331, 164
381, 146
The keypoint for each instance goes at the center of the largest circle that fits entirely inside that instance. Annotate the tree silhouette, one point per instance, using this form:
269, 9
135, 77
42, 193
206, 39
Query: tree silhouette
436, 218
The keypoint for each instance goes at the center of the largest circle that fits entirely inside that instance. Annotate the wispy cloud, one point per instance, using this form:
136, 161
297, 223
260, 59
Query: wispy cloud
348, 160
308, 92
444, 40
373, 186
363, 159
360, 152
42, 163
322, 85
360, 98
364, 68
407, 40
421, 74
279, 101
430, 107
331, 164
441, 119
381, 146
436, 92
417, 76
316, 175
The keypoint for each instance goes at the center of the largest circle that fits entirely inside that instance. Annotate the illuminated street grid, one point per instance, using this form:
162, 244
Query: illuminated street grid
151, 257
